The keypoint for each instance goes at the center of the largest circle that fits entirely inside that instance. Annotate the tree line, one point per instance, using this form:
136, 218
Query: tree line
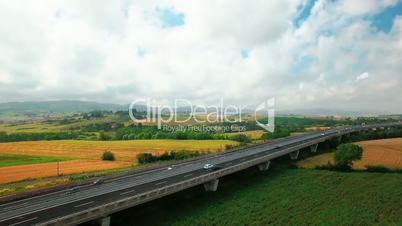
4, 137
144, 158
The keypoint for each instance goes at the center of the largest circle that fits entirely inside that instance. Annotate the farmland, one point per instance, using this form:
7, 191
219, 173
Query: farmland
17, 173
280, 197
252, 134
86, 154
386, 152
124, 150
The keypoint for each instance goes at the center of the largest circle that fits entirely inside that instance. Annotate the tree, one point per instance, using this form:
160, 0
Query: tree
242, 138
145, 158
108, 156
345, 154
103, 136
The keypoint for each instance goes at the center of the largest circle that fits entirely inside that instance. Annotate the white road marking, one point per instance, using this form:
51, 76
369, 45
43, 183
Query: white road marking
163, 182
127, 192
21, 222
15, 207
83, 204
188, 175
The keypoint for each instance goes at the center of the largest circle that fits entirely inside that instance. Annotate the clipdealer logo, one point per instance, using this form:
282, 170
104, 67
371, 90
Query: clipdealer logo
165, 115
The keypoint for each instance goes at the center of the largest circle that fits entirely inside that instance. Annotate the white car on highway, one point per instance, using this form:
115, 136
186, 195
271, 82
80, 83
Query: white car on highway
208, 166
212, 167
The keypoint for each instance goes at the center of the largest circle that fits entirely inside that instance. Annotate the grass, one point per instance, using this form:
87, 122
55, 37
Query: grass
27, 185
32, 184
35, 127
17, 160
316, 160
280, 197
40, 126
252, 134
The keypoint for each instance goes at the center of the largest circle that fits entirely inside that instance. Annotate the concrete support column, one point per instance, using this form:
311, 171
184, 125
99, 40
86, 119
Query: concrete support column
264, 166
294, 155
211, 185
339, 139
313, 148
105, 221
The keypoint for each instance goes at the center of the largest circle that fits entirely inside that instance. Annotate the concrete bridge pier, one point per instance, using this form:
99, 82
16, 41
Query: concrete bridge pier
211, 185
294, 155
264, 166
313, 148
339, 139
105, 221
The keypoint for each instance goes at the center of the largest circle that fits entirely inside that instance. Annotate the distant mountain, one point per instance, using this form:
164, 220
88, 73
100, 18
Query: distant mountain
57, 107
34, 108
331, 112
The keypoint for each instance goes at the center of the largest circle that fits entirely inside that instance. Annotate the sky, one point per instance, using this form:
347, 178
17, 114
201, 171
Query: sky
330, 54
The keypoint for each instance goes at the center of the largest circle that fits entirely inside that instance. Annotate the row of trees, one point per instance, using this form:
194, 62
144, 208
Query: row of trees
139, 133
100, 126
144, 158
375, 135
4, 137
173, 155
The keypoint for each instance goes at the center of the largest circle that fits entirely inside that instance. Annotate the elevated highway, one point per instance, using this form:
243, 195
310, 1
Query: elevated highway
89, 202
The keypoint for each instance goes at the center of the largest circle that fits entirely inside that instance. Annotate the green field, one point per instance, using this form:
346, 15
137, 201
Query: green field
280, 197
16, 160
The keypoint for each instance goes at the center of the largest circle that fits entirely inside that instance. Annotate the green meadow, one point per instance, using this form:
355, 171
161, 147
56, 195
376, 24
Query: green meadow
280, 196
16, 160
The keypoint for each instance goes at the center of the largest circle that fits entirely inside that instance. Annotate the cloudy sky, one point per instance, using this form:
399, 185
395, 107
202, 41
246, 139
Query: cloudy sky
307, 54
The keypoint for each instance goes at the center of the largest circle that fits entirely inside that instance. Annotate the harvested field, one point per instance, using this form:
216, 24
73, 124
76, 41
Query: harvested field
125, 151
252, 134
16, 173
386, 152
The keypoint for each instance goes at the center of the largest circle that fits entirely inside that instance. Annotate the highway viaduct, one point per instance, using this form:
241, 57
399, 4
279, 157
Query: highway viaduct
91, 202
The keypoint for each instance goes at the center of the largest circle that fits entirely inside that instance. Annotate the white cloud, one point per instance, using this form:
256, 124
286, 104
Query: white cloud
363, 7
362, 76
77, 50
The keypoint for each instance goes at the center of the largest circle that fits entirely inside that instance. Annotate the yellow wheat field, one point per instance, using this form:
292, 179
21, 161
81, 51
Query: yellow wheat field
87, 154
386, 152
